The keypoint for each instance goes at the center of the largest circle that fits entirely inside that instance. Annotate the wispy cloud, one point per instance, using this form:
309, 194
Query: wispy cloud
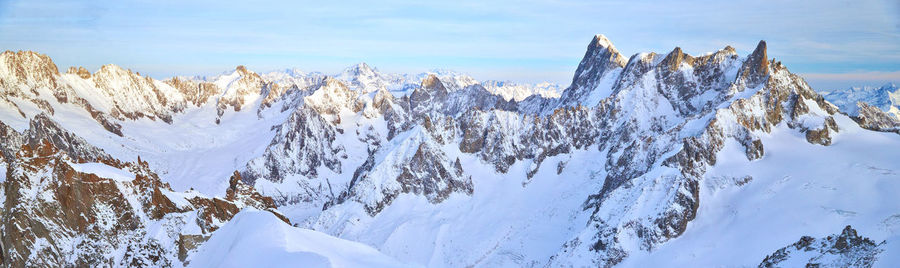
844, 80
854, 76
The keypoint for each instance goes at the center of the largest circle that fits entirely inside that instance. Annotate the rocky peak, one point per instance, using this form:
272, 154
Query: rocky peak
727, 53
135, 96
332, 96
294, 72
196, 92
111, 69
756, 67
600, 40
431, 92
638, 65
674, 59
111, 76
432, 82
362, 77
83, 218
601, 62
80, 71
874, 118
845, 250
759, 57
601, 56
240, 88
27, 67
241, 69
360, 69
332, 82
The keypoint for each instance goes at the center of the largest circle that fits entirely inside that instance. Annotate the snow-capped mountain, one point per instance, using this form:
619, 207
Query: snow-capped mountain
666, 159
514, 91
876, 108
845, 250
886, 98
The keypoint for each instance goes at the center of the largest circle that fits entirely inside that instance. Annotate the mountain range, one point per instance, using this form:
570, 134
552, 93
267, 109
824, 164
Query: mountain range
666, 159
874, 107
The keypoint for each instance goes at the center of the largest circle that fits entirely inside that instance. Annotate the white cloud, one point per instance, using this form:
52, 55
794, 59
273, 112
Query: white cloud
853, 76
825, 81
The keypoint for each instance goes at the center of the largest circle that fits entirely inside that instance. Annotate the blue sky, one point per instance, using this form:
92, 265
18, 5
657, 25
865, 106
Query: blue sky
832, 43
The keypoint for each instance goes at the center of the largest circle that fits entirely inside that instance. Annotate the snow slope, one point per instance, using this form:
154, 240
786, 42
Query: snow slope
103, 171
503, 223
796, 189
258, 239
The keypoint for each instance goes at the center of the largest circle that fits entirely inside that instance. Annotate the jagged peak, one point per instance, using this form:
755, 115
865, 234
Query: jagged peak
759, 56
330, 81
600, 40
242, 70
294, 72
643, 58
614, 56
432, 81
80, 71
29, 61
25, 54
728, 49
382, 95
363, 65
111, 68
361, 68
756, 66
674, 59
601, 56
112, 71
445, 72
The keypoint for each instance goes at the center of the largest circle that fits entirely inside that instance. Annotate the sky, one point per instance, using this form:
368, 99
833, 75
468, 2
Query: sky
833, 44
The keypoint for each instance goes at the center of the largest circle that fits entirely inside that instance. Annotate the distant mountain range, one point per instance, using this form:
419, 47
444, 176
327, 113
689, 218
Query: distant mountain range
874, 107
886, 98
651, 160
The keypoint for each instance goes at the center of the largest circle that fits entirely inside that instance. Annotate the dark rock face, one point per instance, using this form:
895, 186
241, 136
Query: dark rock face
29, 68
43, 129
756, 66
873, 118
80, 72
600, 59
303, 143
54, 215
428, 172
74, 207
195, 92
845, 250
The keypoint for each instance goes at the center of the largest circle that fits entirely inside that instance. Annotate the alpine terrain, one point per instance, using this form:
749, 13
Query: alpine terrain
669, 159
875, 108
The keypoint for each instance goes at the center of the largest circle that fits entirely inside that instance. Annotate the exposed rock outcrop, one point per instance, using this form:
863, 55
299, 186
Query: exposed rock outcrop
871, 117
57, 212
845, 250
